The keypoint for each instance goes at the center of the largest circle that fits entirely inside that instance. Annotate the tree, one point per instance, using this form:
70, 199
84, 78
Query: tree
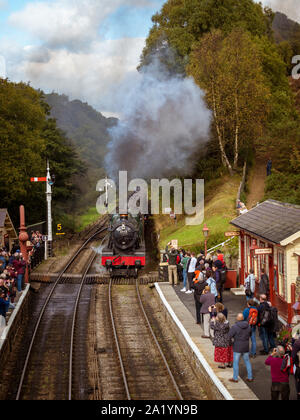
228, 68
28, 138
180, 23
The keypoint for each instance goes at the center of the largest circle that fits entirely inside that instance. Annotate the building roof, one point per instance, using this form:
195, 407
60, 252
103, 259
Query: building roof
2, 217
6, 222
272, 220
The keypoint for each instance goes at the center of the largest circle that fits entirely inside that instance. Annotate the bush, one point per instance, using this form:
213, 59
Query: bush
283, 187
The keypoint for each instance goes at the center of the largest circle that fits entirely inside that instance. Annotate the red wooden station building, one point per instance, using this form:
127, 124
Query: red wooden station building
270, 239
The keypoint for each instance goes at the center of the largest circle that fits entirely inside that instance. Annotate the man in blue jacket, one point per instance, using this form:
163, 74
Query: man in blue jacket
241, 333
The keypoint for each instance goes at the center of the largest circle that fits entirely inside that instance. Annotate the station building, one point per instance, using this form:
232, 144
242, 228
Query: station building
270, 239
8, 233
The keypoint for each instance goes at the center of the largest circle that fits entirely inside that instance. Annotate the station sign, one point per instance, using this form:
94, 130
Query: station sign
263, 251
233, 233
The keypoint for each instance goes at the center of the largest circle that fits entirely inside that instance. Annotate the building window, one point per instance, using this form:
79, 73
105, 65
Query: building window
281, 274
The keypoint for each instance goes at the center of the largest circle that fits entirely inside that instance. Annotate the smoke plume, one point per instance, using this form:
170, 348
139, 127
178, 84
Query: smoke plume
164, 121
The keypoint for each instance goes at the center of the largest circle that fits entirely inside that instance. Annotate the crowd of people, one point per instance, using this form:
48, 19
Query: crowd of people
12, 271
205, 276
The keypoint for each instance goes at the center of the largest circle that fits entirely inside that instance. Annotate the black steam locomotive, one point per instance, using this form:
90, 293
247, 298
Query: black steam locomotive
124, 253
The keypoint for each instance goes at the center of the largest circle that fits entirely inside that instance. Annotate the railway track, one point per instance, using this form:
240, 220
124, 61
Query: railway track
145, 370
133, 353
48, 371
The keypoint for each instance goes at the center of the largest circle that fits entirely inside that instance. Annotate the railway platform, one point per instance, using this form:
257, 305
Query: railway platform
183, 306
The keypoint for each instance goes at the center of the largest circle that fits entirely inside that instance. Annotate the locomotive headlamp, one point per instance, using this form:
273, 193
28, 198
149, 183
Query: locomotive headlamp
108, 263
138, 263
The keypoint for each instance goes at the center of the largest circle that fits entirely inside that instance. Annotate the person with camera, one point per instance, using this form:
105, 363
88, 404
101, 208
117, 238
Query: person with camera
172, 264
280, 378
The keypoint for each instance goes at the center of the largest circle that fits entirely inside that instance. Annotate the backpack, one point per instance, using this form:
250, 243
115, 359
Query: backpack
287, 364
253, 317
267, 318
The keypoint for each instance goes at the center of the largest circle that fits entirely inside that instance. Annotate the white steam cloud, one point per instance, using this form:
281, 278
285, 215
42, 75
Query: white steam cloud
164, 122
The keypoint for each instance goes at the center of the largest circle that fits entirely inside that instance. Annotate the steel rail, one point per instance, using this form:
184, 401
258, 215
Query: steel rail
90, 262
157, 343
117, 342
45, 306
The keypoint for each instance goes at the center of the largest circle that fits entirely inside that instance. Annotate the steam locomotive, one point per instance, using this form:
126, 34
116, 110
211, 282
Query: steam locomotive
124, 252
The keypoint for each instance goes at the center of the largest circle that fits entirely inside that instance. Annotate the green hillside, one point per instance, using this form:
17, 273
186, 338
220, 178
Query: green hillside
220, 209
87, 130
86, 127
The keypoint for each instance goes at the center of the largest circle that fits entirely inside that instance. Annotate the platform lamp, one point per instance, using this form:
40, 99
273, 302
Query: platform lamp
205, 231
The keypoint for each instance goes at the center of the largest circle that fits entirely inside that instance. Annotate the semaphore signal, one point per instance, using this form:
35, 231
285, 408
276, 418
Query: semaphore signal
49, 183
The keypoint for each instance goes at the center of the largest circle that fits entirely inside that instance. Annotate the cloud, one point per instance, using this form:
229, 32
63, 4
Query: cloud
92, 76
3, 4
70, 24
66, 53
290, 7
64, 23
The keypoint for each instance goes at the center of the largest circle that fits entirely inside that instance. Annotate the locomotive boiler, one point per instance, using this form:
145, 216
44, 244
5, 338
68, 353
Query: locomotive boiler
124, 252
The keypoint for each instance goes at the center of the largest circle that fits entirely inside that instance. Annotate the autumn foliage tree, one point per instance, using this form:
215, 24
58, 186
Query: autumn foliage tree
229, 70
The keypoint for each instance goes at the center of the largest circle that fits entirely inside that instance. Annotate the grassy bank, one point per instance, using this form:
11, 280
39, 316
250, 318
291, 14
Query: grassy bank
90, 216
220, 202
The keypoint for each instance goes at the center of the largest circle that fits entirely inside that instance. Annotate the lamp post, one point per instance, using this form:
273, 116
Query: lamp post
23, 238
205, 231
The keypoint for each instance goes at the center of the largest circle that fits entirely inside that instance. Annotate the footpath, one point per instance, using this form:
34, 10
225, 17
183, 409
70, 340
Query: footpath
261, 373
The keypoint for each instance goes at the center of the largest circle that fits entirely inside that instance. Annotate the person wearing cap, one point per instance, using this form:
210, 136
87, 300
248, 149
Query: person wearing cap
280, 379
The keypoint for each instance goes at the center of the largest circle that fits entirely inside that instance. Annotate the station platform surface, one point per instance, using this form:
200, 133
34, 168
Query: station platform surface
183, 306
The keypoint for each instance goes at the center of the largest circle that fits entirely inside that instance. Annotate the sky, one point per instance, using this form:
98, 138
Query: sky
82, 48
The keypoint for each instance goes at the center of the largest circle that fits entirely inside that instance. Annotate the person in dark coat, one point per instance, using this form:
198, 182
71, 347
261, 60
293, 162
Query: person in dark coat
266, 332
207, 300
221, 341
296, 359
264, 284
198, 286
241, 333
217, 267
